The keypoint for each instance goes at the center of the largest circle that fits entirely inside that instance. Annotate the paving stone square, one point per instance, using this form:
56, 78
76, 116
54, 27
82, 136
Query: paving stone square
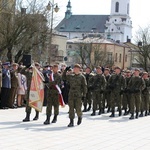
95, 132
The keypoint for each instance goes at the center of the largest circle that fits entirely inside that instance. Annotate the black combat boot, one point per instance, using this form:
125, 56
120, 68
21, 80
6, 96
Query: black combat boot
141, 114
132, 116
71, 124
108, 110
54, 119
125, 112
112, 114
137, 115
84, 110
103, 111
100, 112
36, 116
89, 108
93, 113
146, 113
79, 120
120, 112
27, 118
47, 121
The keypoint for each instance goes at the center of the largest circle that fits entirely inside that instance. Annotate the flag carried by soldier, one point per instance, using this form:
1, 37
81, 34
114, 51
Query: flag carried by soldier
36, 96
61, 101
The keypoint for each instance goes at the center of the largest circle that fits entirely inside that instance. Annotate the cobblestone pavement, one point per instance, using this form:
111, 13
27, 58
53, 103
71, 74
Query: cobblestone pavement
95, 133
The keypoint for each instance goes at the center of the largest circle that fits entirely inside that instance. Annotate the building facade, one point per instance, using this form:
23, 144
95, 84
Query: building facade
96, 51
116, 26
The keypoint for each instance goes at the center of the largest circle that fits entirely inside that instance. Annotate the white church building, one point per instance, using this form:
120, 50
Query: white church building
117, 26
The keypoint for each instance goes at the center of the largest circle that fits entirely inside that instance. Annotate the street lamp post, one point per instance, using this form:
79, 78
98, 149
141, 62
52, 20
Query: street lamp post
53, 7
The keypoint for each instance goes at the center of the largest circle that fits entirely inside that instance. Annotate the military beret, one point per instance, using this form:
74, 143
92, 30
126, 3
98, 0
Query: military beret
6, 63
127, 71
145, 73
15, 64
137, 69
98, 67
107, 69
117, 68
77, 66
37, 64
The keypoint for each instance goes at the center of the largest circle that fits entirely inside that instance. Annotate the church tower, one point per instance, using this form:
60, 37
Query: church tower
68, 13
119, 25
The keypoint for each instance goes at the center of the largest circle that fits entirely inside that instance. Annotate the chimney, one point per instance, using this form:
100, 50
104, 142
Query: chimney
23, 11
128, 40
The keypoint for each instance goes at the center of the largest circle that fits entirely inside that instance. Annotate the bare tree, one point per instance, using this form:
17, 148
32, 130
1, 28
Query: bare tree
143, 42
23, 31
92, 54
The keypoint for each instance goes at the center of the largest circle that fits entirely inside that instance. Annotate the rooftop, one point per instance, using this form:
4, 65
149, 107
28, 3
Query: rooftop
83, 23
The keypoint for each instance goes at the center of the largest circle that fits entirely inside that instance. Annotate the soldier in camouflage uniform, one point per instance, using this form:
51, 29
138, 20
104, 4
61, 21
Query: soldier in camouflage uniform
145, 95
106, 94
117, 84
136, 85
78, 90
27, 71
53, 96
88, 100
98, 86
126, 94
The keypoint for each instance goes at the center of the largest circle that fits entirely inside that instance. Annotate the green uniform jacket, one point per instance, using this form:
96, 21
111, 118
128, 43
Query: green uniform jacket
136, 84
99, 82
116, 82
77, 83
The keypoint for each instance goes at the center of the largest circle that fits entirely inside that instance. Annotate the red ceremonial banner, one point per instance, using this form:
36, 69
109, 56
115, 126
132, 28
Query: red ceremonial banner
36, 96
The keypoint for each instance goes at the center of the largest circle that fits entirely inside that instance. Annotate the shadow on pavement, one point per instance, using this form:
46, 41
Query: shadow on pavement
31, 126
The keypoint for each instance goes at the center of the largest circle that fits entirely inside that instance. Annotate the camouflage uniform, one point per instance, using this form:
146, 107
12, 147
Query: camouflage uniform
88, 99
116, 84
99, 84
145, 98
106, 95
53, 95
78, 89
136, 84
126, 97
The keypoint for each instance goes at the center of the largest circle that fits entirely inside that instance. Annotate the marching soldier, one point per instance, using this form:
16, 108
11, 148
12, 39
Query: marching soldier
117, 84
78, 90
53, 95
145, 95
106, 95
136, 85
88, 75
126, 94
27, 71
98, 86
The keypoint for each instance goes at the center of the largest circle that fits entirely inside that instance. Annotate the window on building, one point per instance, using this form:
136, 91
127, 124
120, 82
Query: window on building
116, 57
128, 9
126, 58
109, 57
117, 7
70, 46
120, 58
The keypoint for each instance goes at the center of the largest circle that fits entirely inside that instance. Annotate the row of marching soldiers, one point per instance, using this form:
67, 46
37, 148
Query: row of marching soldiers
128, 91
